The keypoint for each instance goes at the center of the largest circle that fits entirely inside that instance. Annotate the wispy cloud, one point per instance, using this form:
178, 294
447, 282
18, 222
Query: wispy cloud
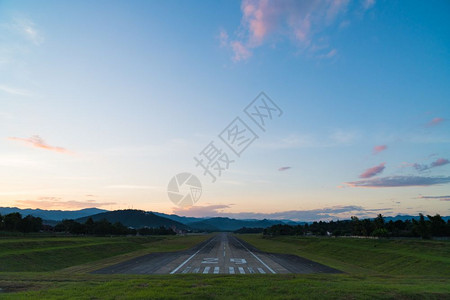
284, 169
379, 148
399, 181
37, 142
265, 21
441, 198
435, 121
371, 172
200, 211
14, 91
334, 212
133, 187
28, 29
437, 163
55, 202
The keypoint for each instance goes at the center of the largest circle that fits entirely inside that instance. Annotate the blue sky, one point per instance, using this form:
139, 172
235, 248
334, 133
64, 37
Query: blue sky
102, 103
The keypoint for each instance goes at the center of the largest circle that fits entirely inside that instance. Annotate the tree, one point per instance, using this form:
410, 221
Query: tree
12, 221
437, 225
421, 227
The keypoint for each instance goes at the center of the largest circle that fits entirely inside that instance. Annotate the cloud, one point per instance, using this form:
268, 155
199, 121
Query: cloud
301, 22
367, 4
329, 213
379, 148
241, 52
29, 30
201, 211
14, 91
399, 181
55, 202
37, 142
437, 163
373, 171
441, 198
435, 121
133, 187
284, 169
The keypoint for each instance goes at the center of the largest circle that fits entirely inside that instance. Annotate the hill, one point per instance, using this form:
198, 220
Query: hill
135, 218
52, 215
227, 224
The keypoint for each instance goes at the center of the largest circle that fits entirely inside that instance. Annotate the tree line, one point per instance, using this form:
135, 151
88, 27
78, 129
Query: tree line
14, 222
425, 227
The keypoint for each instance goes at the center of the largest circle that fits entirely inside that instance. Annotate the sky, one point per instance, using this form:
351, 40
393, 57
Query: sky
102, 103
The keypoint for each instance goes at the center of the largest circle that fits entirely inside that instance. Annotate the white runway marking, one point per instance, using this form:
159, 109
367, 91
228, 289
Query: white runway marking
186, 270
216, 270
210, 260
250, 269
231, 270
241, 270
196, 270
261, 271
268, 268
183, 263
206, 270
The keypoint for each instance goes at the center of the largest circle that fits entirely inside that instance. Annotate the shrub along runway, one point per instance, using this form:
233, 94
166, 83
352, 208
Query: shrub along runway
221, 254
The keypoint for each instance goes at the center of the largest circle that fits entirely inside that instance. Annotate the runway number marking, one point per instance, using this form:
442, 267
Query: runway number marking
210, 260
238, 261
190, 257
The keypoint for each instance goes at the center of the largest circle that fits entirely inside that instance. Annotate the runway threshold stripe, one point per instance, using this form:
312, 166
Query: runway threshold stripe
250, 269
264, 264
261, 271
216, 270
186, 270
231, 270
206, 270
241, 270
196, 270
190, 257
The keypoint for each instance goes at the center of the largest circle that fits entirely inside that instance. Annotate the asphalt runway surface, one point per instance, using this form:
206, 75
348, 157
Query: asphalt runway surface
221, 254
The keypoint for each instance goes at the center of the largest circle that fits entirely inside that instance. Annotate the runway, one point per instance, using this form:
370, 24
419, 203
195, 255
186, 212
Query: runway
222, 254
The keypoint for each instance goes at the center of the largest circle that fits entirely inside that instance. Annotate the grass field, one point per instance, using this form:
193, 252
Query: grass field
379, 269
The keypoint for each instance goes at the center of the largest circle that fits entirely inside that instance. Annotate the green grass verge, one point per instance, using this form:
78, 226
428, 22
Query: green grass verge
375, 269
227, 287
364, 256
55, 253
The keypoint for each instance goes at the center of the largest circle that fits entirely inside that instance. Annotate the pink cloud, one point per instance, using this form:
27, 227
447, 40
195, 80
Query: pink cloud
435, 122
379, 148
37, 142
439, 162
399, 181
240, 51
299, 21
373, 171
